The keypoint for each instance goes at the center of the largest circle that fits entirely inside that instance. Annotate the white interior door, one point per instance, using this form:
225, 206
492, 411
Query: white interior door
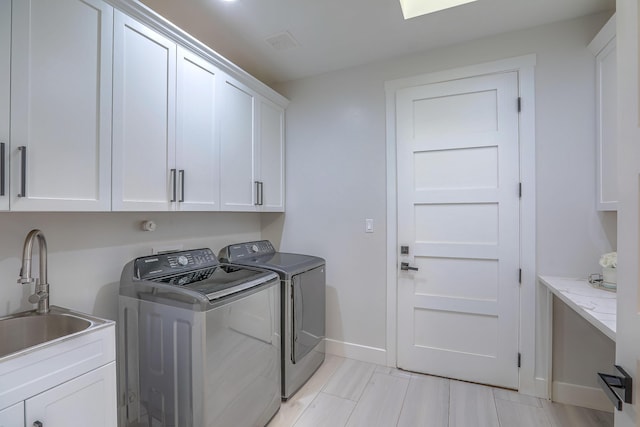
458, 212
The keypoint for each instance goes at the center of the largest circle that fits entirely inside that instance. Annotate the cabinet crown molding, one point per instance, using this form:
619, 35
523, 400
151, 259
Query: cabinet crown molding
150, 18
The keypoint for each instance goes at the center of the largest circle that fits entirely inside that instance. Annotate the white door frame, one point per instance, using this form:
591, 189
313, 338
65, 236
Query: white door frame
524, 65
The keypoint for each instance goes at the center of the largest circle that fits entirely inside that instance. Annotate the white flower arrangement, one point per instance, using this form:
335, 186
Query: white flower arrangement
609, 260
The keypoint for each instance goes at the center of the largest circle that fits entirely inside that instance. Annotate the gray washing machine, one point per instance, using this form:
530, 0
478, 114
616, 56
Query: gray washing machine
303, 306
198, 342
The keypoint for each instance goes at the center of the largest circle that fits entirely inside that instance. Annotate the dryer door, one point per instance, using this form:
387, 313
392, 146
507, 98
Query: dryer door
308, 311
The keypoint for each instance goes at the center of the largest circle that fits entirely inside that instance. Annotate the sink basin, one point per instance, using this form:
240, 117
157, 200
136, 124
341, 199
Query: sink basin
41, 351
22, 331
19, 333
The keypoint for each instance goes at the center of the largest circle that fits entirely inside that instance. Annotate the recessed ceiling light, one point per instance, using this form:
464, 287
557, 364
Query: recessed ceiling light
413, 8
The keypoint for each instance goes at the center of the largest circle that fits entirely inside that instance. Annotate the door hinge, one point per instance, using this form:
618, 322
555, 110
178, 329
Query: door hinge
520, 190
519, 360
519, 104
520, 275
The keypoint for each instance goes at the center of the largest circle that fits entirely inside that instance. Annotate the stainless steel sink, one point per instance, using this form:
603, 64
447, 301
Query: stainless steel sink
25, 330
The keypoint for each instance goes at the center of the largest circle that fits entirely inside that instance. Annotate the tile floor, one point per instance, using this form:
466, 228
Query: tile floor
345, 392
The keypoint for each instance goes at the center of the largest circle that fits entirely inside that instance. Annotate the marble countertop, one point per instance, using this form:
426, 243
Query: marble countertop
597, 306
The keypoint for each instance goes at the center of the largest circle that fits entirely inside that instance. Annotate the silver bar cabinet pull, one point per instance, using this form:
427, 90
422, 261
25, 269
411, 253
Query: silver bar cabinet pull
2, 168
181, 173
257, 202
173, 185
23, 171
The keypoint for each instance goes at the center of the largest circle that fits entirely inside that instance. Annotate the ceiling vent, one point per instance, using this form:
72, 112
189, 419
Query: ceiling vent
282, 41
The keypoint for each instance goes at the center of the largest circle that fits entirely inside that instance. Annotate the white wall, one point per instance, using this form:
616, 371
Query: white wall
88, 250
336, 174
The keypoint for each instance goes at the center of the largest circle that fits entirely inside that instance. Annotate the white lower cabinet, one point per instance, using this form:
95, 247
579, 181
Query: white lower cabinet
13, 416
88, 400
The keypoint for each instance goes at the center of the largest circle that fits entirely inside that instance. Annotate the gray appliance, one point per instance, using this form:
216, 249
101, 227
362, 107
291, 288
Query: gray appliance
303, 306
199, 342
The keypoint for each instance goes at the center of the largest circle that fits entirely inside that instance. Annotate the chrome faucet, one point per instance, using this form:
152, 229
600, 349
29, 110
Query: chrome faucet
41, 295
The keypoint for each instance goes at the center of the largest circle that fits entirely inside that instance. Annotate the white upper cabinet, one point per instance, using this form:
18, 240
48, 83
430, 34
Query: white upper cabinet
197, 144
252, 150
5, 90
116, 109
144, 100
61, 83
239, 184
603, 47
271, 123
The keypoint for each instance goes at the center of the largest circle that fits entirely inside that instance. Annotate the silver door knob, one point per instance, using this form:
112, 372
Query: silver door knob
406, 267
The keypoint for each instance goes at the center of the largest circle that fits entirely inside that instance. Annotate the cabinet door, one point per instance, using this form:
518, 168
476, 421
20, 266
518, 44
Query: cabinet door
271, 123
61, 105
5, 73
88, 400
144, 98
237, 143
13, 416
607, 116
197, 142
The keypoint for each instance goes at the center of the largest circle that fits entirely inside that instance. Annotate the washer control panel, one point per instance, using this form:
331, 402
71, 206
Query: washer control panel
174, 263
247, 250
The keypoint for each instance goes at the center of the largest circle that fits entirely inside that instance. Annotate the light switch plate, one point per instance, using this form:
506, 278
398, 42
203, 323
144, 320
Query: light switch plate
368, 225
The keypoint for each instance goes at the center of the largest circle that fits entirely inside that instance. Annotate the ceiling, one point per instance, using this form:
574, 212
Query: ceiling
336, 34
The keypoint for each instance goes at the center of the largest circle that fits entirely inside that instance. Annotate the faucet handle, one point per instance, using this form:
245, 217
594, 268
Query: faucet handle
37, 297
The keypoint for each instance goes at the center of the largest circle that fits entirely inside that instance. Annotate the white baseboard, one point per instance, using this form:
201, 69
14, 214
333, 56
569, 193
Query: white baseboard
587, 397
356, 351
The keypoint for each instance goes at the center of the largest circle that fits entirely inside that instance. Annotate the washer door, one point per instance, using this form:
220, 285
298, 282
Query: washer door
308, 311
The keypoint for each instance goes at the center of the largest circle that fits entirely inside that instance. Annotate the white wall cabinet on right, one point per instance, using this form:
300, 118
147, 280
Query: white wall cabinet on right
252, 150
603, 47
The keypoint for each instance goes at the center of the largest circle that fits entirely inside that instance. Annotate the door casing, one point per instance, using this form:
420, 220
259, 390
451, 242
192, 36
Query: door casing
533, 376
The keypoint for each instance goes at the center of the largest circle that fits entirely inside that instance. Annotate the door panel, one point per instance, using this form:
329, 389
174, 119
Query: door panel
458, 210
143, 117
308, 308
237, 145
61, 85
198, 150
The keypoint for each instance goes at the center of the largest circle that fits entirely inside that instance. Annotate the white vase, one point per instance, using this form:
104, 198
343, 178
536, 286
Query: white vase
609, 277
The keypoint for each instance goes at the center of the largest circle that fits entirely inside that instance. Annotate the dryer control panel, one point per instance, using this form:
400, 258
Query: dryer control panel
247, 250
174, 263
